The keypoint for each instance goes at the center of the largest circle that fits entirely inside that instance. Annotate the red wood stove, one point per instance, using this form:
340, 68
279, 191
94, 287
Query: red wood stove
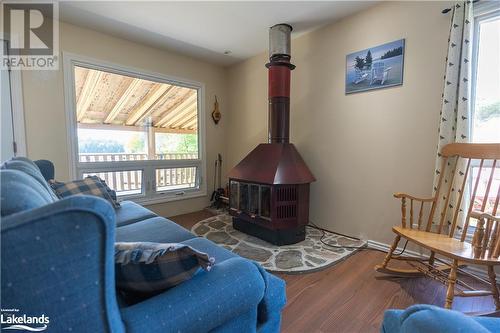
269, 188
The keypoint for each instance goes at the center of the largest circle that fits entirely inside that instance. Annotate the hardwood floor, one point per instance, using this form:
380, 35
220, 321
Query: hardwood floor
188, 220
351, 296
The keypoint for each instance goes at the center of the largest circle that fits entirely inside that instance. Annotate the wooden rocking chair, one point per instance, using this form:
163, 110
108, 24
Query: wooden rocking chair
438, 238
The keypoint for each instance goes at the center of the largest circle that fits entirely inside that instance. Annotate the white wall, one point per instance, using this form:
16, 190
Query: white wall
45, 111
361, 147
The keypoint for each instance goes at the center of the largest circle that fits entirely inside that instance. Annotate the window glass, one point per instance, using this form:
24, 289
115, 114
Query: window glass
120, 117
234, 195
480, 198
175, 178
244, 197
486, 124
96, 145
254, 199
137, 131
123, 182
265, 201
176, 146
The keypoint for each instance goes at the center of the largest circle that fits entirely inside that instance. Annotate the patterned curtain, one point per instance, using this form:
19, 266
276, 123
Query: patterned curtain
455, 107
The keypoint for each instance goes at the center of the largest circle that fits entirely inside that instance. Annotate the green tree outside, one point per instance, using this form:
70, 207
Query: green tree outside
96, 146
176, 143
136, 144
488, 111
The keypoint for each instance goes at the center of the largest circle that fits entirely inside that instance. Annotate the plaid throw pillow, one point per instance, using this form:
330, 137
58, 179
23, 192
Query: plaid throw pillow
91, 185
149, 268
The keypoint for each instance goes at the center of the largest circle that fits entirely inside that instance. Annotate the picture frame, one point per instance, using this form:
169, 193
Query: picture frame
377, 67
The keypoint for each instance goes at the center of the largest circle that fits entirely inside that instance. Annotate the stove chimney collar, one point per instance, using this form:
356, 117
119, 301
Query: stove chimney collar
279, 41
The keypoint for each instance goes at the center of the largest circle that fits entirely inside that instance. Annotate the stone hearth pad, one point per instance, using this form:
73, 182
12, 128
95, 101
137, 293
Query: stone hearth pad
307, 256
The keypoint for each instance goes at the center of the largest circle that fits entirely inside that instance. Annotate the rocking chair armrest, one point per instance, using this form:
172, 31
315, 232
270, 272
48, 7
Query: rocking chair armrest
399, 195
477, 214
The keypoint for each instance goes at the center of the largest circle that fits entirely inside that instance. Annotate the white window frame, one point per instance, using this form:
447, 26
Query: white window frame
483, 11
148, 195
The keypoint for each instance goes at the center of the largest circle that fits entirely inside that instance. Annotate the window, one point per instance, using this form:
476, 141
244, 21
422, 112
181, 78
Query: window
485, 124
486, 79
137, 131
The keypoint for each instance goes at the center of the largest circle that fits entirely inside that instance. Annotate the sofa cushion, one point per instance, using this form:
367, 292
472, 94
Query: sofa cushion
46, 169
155, 229
20, 192
29, 168
204, 245
130, 212
207, 301
90, 185
152, 267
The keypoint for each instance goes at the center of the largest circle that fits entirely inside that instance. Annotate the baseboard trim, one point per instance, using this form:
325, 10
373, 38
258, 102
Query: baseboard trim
385, 247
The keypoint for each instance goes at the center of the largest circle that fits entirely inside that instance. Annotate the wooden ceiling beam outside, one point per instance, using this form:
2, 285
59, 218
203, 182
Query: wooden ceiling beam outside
179, 115
192, 120
181, 107
119, 105
111, 127
172, 108
148, 101
186, 100
163, 98
87, 93
182, 119
192, 125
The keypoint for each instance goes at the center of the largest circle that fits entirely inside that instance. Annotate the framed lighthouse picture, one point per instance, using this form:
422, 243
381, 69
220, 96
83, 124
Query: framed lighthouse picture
376, 67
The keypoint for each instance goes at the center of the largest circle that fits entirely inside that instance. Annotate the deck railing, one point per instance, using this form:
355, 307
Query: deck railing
110, 157
130, 181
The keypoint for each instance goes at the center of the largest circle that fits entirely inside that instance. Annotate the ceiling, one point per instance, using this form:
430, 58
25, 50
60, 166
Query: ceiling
205, 30
118, 102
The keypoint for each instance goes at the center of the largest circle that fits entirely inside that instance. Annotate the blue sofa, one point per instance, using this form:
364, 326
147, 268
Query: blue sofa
58, 260
428, 318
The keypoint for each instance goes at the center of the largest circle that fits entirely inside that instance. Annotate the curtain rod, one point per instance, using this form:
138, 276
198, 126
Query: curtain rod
446, 10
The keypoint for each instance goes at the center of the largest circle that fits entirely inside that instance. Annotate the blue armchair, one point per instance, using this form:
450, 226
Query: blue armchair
58, 261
